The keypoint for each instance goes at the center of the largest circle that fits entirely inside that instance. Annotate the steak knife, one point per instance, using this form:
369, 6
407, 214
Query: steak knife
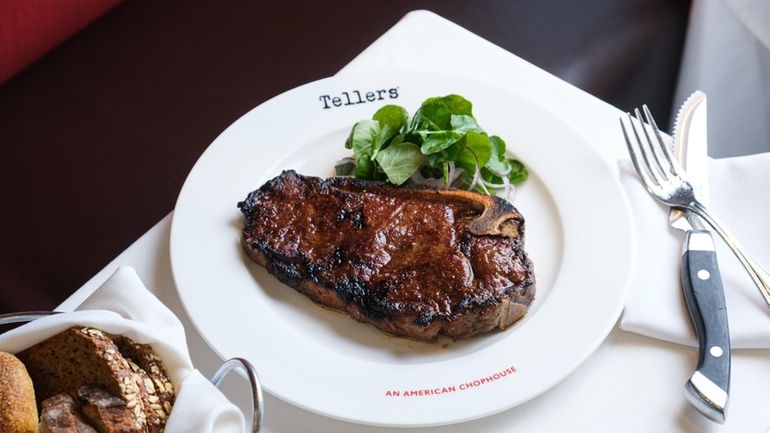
708, 387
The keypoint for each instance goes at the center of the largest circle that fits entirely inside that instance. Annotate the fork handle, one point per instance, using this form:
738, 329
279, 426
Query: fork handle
756, 272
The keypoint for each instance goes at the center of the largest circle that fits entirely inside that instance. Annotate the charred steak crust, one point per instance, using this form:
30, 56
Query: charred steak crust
415, 261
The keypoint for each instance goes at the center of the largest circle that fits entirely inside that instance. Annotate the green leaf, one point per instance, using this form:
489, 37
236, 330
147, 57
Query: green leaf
454, 150
498, 146
467, 161
368, 137
497, 165
436, 141
480, 145
519, 172
435, 116
398, 138
490, 177
476, 150
366, 168
394, 116
346, 167
412, 136
436, 160
385, 133
458, 105
399, 161
436, 113
462, 123
362, 137
497, 161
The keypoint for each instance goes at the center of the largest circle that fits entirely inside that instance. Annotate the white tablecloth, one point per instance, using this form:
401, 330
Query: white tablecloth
631, 383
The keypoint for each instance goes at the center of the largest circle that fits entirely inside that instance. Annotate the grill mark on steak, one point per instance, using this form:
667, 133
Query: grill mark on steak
415, 261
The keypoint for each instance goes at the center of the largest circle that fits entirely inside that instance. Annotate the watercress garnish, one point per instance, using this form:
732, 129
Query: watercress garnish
442, 142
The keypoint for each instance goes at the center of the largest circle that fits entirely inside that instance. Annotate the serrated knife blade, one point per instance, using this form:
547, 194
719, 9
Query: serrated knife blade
691, 151
691, 142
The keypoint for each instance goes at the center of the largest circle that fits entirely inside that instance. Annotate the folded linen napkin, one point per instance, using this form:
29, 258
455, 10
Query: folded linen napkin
740, 197
122, 305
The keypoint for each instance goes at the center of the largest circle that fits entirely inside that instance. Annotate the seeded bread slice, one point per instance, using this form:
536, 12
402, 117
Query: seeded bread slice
106, 412
141, 357
86, 357
60, 414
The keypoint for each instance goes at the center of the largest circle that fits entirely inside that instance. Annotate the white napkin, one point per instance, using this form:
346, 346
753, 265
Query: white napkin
740, 197
122, 305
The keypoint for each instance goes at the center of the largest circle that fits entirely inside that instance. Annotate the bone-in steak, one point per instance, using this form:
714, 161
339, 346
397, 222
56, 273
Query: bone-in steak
414, 261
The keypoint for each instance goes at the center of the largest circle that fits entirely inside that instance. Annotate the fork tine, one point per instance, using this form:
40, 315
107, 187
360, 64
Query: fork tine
672, 166
648, 148
634, 154
654, 175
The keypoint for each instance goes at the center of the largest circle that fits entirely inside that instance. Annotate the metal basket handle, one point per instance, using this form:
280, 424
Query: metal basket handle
234, 363
27, 316
256, 389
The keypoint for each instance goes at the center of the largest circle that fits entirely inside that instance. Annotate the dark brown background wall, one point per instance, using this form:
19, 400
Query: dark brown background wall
97, 137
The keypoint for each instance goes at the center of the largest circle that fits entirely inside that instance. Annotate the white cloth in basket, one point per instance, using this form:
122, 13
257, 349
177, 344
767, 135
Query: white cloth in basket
122, 305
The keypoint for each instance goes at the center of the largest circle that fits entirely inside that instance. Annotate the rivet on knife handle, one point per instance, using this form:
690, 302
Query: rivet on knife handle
708, 388
758, 275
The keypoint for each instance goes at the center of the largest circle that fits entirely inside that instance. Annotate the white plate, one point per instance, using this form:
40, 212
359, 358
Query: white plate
578, 236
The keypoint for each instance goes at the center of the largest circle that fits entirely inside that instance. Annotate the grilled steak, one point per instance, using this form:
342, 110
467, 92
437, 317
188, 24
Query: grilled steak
414, 261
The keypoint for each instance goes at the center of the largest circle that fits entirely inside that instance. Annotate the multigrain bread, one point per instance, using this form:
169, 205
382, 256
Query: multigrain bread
60, 414
143, 359
106, 412
18, 410
77, 357
83, 356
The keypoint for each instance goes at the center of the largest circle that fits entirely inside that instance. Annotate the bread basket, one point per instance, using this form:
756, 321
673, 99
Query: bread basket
149, 320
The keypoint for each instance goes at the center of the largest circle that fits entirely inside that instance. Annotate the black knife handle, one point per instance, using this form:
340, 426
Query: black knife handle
703, 291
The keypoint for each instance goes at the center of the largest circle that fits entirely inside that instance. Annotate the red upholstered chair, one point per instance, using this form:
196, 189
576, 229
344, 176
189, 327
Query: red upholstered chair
31, 28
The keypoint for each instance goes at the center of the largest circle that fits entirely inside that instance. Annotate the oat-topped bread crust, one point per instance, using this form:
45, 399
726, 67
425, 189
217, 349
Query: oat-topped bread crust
142, 358
83, 356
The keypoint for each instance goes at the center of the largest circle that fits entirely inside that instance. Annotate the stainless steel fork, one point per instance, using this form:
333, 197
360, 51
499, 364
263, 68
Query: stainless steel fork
667, 182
